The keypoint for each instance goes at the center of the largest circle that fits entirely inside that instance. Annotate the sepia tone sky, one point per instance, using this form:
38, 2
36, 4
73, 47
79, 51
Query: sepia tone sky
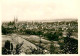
39, 9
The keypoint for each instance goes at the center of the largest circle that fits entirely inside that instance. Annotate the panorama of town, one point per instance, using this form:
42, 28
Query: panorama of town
40, 37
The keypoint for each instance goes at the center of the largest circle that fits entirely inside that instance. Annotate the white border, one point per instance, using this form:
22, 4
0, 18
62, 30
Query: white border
45, 54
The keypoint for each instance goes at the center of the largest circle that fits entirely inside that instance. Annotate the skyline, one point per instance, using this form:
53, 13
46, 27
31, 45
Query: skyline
53, 20
39, 9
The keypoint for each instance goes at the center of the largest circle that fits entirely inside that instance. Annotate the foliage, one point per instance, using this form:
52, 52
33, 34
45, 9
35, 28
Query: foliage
71, 45
7, 30
8, 47
32, 32
3, 30
52, 48
53, 36
18, 48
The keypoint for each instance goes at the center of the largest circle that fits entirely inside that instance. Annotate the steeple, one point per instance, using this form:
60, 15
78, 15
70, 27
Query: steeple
15, 23
15, 20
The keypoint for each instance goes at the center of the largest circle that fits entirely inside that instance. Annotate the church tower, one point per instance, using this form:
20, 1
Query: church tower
16, 23
15, 20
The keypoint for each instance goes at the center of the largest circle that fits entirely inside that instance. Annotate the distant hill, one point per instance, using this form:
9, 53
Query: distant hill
54, 20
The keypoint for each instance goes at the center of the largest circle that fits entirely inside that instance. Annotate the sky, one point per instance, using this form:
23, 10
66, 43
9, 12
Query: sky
39, 9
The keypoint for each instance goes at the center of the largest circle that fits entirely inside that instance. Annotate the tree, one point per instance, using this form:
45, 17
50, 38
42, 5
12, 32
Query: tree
70, 44
8, 47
